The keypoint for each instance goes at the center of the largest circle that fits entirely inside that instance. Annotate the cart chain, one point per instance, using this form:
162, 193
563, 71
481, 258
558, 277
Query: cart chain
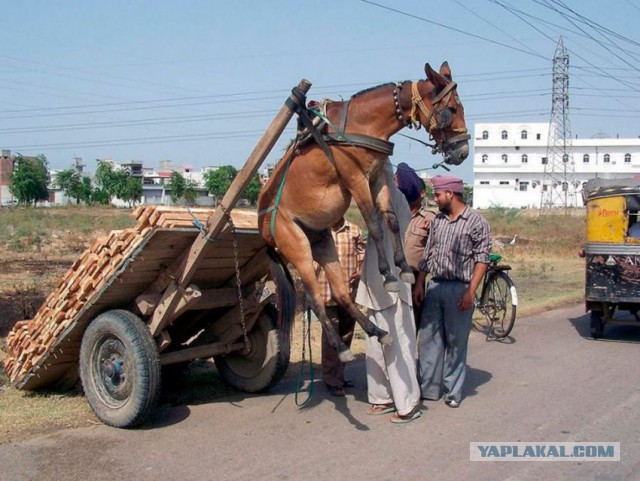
234, 241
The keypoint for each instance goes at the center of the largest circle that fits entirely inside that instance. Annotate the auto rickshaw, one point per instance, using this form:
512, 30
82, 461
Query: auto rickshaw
612, 250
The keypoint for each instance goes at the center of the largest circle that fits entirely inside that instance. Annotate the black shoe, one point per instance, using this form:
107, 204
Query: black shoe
452, 403
348, 383
336, 391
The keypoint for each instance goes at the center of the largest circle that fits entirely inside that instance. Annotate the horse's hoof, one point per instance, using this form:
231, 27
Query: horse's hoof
346, 356
408, 277
391, 284
386, 339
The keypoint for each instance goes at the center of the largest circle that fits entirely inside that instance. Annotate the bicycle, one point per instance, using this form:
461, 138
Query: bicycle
498, 299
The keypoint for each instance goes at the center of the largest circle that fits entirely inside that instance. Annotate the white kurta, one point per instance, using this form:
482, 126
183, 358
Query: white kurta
391, 369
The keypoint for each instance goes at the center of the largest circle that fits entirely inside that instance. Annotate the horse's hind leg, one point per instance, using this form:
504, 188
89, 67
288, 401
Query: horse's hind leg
294, 245
381, 192
324, 253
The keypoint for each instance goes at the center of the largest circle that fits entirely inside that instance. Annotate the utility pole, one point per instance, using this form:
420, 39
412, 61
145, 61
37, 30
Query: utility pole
558, 184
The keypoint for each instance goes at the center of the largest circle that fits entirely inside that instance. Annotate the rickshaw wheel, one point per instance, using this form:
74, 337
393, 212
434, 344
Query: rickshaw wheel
120, 368
266, 363
597, 326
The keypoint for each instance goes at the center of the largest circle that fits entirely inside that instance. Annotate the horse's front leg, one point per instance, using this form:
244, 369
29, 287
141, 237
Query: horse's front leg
381, 191
324, 253
360, 189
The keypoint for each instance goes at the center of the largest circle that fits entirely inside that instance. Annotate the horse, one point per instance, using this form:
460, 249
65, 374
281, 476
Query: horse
312, 186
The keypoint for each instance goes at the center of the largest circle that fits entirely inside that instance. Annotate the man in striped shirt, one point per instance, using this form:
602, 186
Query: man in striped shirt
457, 256
350, 247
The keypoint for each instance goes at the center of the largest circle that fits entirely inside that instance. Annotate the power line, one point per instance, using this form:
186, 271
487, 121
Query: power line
454, 29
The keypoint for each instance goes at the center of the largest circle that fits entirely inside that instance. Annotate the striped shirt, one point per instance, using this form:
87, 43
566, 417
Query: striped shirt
350, 247
454, 247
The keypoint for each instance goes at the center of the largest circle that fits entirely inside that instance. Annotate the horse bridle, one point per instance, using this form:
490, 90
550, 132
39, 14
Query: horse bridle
436, 120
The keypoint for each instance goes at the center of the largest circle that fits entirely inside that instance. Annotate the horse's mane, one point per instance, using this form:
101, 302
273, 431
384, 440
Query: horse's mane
387, 84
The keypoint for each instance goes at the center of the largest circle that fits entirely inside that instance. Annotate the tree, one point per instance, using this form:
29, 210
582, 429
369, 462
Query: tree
218, 181
86, 190
129, 188
253, 189
106, 182
70, 183
190, 192
177, 183
28, 180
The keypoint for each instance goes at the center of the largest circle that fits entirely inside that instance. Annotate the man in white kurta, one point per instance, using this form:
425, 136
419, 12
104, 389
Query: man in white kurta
391, 369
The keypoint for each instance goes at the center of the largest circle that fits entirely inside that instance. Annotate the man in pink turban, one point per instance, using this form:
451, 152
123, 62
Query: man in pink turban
457, 256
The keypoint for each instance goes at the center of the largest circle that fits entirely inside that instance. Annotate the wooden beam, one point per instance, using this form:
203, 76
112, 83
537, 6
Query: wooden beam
199, 352
218, 220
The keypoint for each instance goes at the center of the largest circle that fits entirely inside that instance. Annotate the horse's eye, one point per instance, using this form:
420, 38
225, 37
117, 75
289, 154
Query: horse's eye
453, 110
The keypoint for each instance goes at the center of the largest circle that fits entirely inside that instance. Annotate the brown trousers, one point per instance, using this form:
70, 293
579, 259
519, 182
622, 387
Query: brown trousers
332, 367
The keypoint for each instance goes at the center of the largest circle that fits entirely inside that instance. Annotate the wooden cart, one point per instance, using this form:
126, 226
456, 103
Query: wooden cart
181, 285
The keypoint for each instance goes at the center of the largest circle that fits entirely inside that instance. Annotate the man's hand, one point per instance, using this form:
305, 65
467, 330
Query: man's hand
467, 300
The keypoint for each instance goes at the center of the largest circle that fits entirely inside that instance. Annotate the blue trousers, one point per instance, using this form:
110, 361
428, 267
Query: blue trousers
442, 341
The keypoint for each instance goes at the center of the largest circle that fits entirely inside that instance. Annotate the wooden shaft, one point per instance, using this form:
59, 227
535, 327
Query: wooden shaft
218, 220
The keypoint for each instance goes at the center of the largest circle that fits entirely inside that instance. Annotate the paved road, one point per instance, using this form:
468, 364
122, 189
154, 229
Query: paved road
552, 383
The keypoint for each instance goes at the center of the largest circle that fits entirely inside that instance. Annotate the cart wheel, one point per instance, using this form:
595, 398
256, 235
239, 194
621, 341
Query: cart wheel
119, 368
267, 362
597, 326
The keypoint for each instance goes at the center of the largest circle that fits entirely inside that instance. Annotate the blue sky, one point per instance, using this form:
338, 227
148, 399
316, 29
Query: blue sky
197, 82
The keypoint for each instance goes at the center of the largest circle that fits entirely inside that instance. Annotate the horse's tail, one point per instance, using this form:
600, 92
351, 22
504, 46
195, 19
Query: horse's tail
286, 296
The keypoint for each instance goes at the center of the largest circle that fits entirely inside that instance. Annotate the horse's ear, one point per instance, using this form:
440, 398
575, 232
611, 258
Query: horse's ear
435, 78
445, 70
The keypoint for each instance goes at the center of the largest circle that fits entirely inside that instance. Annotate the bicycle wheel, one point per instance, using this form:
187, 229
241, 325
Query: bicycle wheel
500, 302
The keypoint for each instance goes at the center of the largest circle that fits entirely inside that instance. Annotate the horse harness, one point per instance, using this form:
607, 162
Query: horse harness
435, 120
313, 125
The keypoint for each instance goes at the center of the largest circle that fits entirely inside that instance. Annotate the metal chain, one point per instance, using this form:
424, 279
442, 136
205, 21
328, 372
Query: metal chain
234, 241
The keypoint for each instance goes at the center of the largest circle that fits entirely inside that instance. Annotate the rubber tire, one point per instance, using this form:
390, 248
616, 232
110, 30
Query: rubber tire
596, 324
267, 362
507, 319
140, 363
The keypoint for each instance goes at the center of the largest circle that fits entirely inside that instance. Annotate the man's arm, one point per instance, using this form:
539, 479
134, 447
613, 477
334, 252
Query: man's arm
469, 296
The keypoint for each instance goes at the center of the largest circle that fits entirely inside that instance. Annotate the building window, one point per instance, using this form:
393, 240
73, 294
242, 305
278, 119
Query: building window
524, 186
537, 136
627, 158
485, 135
607, 158
525, 158
545, 160
565, 158
585, 158
505, 136
505, 158
485, 157
523, 135
484, 182
504, 182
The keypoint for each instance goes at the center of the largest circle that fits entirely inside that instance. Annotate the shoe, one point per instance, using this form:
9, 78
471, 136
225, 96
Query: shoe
348, 383
378, 409
336, 391
452, 403
407, 418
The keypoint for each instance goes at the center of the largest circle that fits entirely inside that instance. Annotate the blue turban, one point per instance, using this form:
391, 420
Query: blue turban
408, 182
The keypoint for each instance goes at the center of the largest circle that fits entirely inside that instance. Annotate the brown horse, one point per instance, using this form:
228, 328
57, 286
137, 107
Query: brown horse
312, 187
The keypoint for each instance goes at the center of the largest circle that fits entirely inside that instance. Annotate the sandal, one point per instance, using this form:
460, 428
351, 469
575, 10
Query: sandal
378, 409
406, 418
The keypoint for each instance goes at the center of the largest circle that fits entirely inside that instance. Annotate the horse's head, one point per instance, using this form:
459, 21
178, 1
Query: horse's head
444, 117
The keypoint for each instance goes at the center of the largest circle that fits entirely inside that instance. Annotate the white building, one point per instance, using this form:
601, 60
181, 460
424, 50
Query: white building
509, 162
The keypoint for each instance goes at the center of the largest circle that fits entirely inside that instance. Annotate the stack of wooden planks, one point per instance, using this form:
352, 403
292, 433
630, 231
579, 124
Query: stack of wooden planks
30, 340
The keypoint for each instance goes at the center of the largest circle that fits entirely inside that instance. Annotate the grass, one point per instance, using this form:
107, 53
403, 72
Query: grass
38, 245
